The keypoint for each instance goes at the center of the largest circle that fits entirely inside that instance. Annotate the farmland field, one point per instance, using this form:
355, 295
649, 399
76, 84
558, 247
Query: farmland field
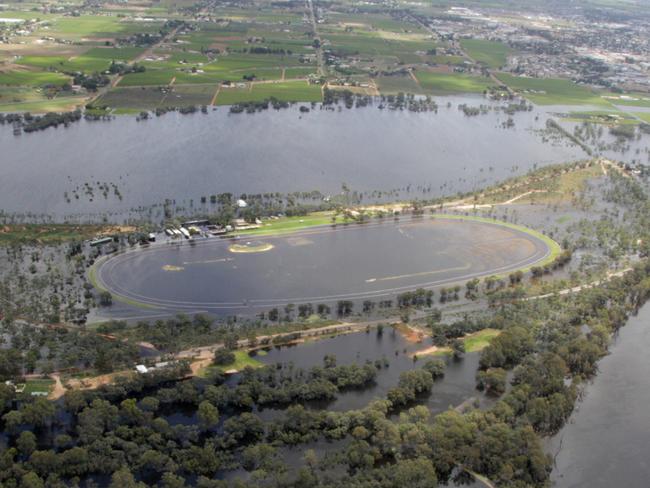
550, 91
492, 54
289, 91
169, 46
444, 83
32, 78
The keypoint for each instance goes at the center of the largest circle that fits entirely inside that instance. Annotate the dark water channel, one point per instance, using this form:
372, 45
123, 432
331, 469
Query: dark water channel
606, 441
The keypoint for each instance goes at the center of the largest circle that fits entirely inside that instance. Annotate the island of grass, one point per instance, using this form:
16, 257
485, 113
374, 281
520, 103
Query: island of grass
250, 247
474, 342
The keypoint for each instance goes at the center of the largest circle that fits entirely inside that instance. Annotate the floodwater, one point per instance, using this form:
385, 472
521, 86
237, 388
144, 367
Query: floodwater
185, 157
322, 265
457, 385
606, 441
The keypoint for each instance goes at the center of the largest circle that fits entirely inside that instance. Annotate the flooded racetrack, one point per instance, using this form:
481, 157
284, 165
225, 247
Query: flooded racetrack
324, 264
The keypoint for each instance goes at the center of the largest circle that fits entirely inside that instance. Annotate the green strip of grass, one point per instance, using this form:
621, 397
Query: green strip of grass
286, 225
92, 279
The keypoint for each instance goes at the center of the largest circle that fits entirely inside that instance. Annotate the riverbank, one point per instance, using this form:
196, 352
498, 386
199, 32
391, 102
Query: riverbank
612, 408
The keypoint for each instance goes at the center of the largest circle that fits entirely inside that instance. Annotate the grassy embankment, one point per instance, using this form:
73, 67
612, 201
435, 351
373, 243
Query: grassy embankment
548, 185
553, 247
91, 274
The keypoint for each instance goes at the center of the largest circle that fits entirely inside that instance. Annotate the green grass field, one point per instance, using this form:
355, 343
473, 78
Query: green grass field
479, 340
629, 99
396, 84
448, 83
299, 72
148, 78
138, 98
32, 78
553, 91
449, 60
96, 59
602, 117
40, 104
475, 342
289, 91
490, 53
38, 386
644, 116
242, 360
290, 224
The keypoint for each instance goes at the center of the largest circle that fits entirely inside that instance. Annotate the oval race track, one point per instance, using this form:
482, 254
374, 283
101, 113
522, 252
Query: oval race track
323, 264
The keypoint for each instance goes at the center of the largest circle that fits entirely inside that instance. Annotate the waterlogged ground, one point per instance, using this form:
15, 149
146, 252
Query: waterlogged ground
186, 157
456, 387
